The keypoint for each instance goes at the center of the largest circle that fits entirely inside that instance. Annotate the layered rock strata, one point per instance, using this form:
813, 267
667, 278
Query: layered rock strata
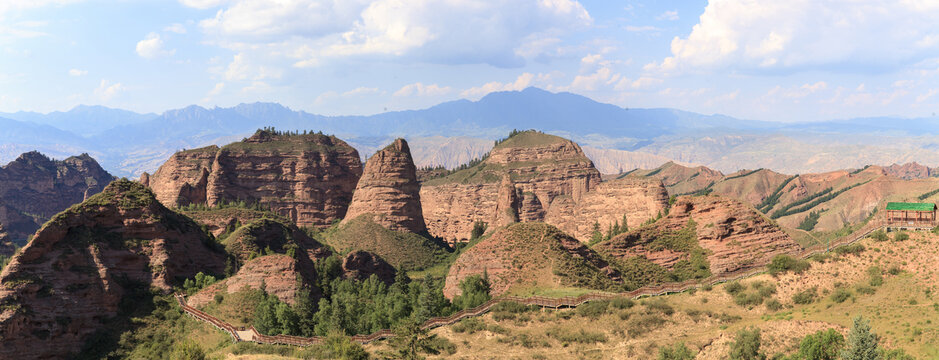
307, 178
33, 188
389, 190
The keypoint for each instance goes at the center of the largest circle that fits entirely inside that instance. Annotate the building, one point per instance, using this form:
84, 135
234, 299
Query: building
913, 214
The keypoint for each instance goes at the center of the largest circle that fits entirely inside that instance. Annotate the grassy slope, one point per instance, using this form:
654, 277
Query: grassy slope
402, 250
902, 311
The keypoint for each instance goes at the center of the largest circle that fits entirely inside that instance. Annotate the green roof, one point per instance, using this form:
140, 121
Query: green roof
911, 206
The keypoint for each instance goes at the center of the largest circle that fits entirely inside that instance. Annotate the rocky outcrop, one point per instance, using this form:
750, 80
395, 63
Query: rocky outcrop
360, 265
389, 189
531, 255
307, 178
280, 275
542, 168
911, 170
72, 277
507, 203
735, 236
33, 188
636, 199
6, 246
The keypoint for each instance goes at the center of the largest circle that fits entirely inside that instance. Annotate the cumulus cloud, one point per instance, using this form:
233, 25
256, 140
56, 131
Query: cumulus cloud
76, 72
499, 33
420, 89
107, 90
152, 46
857, 36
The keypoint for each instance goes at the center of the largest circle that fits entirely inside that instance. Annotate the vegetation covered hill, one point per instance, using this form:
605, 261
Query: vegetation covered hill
525, 257
403, 250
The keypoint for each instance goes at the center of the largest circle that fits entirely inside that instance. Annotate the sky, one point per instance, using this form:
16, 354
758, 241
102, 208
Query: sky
797, 60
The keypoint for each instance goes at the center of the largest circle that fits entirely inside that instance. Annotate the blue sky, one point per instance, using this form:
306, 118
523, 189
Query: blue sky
797, 60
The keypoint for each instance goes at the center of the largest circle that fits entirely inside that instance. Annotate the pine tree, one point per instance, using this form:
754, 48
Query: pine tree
596, 236
862, 342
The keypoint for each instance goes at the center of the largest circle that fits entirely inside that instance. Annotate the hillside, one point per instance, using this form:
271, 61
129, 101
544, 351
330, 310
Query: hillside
526, 257
403, 250
701, 236
100, 259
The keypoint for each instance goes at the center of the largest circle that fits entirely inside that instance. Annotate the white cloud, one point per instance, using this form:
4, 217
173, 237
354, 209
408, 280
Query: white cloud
176, 28
670, 15
76, 72
500, 33
420, 89
856, 36
152, 46
217, 89
107, 90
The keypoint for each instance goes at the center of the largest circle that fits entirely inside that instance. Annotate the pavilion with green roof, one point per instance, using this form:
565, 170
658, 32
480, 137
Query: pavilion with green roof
911, 213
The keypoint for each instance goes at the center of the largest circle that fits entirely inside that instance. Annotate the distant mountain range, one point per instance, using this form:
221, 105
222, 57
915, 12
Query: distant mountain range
128, 143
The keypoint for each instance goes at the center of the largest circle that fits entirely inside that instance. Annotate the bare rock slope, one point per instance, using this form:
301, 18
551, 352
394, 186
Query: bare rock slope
33, 188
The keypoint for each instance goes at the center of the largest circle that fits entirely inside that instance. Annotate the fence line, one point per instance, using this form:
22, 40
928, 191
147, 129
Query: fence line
542, 301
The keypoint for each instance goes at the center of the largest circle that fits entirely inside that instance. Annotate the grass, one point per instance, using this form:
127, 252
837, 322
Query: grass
638, 271
405, 251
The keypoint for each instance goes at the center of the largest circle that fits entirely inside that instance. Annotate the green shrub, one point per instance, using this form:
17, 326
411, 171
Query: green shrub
773, 305
806, 296
864, 290
642, 324
734, 287
876, 276
188, 351
862, 342
901, 236
474, 291
879, 235
581, 336
336, 346
894, 270
852, 249
840, 295
593, 309
469, 326
622, 303
783, 263
746, 345
822, 345
676, 352
661, 306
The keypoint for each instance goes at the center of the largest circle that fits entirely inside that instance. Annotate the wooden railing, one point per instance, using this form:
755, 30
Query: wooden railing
542, 301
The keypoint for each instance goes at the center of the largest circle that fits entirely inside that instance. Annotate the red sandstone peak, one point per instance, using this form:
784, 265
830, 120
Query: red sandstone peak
389, 189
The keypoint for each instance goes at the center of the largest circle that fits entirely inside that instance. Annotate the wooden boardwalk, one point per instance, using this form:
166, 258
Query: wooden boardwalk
251, 334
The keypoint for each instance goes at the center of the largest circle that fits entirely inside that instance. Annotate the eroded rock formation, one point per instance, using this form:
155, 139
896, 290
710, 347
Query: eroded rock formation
278, 273
71, 278
389, 190
636, 199
542, 168
308, 178
33, 188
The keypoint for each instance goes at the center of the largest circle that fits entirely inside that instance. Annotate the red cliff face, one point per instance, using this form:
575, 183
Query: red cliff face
636, 199
71, 277
541, 167
278, 273
34, 187
307, 178
389, 189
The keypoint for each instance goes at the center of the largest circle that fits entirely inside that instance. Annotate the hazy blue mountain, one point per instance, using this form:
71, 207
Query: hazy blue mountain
127, 143
82, 120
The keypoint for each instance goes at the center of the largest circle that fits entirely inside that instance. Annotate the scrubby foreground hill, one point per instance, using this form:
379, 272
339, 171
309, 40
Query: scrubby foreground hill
88, 266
